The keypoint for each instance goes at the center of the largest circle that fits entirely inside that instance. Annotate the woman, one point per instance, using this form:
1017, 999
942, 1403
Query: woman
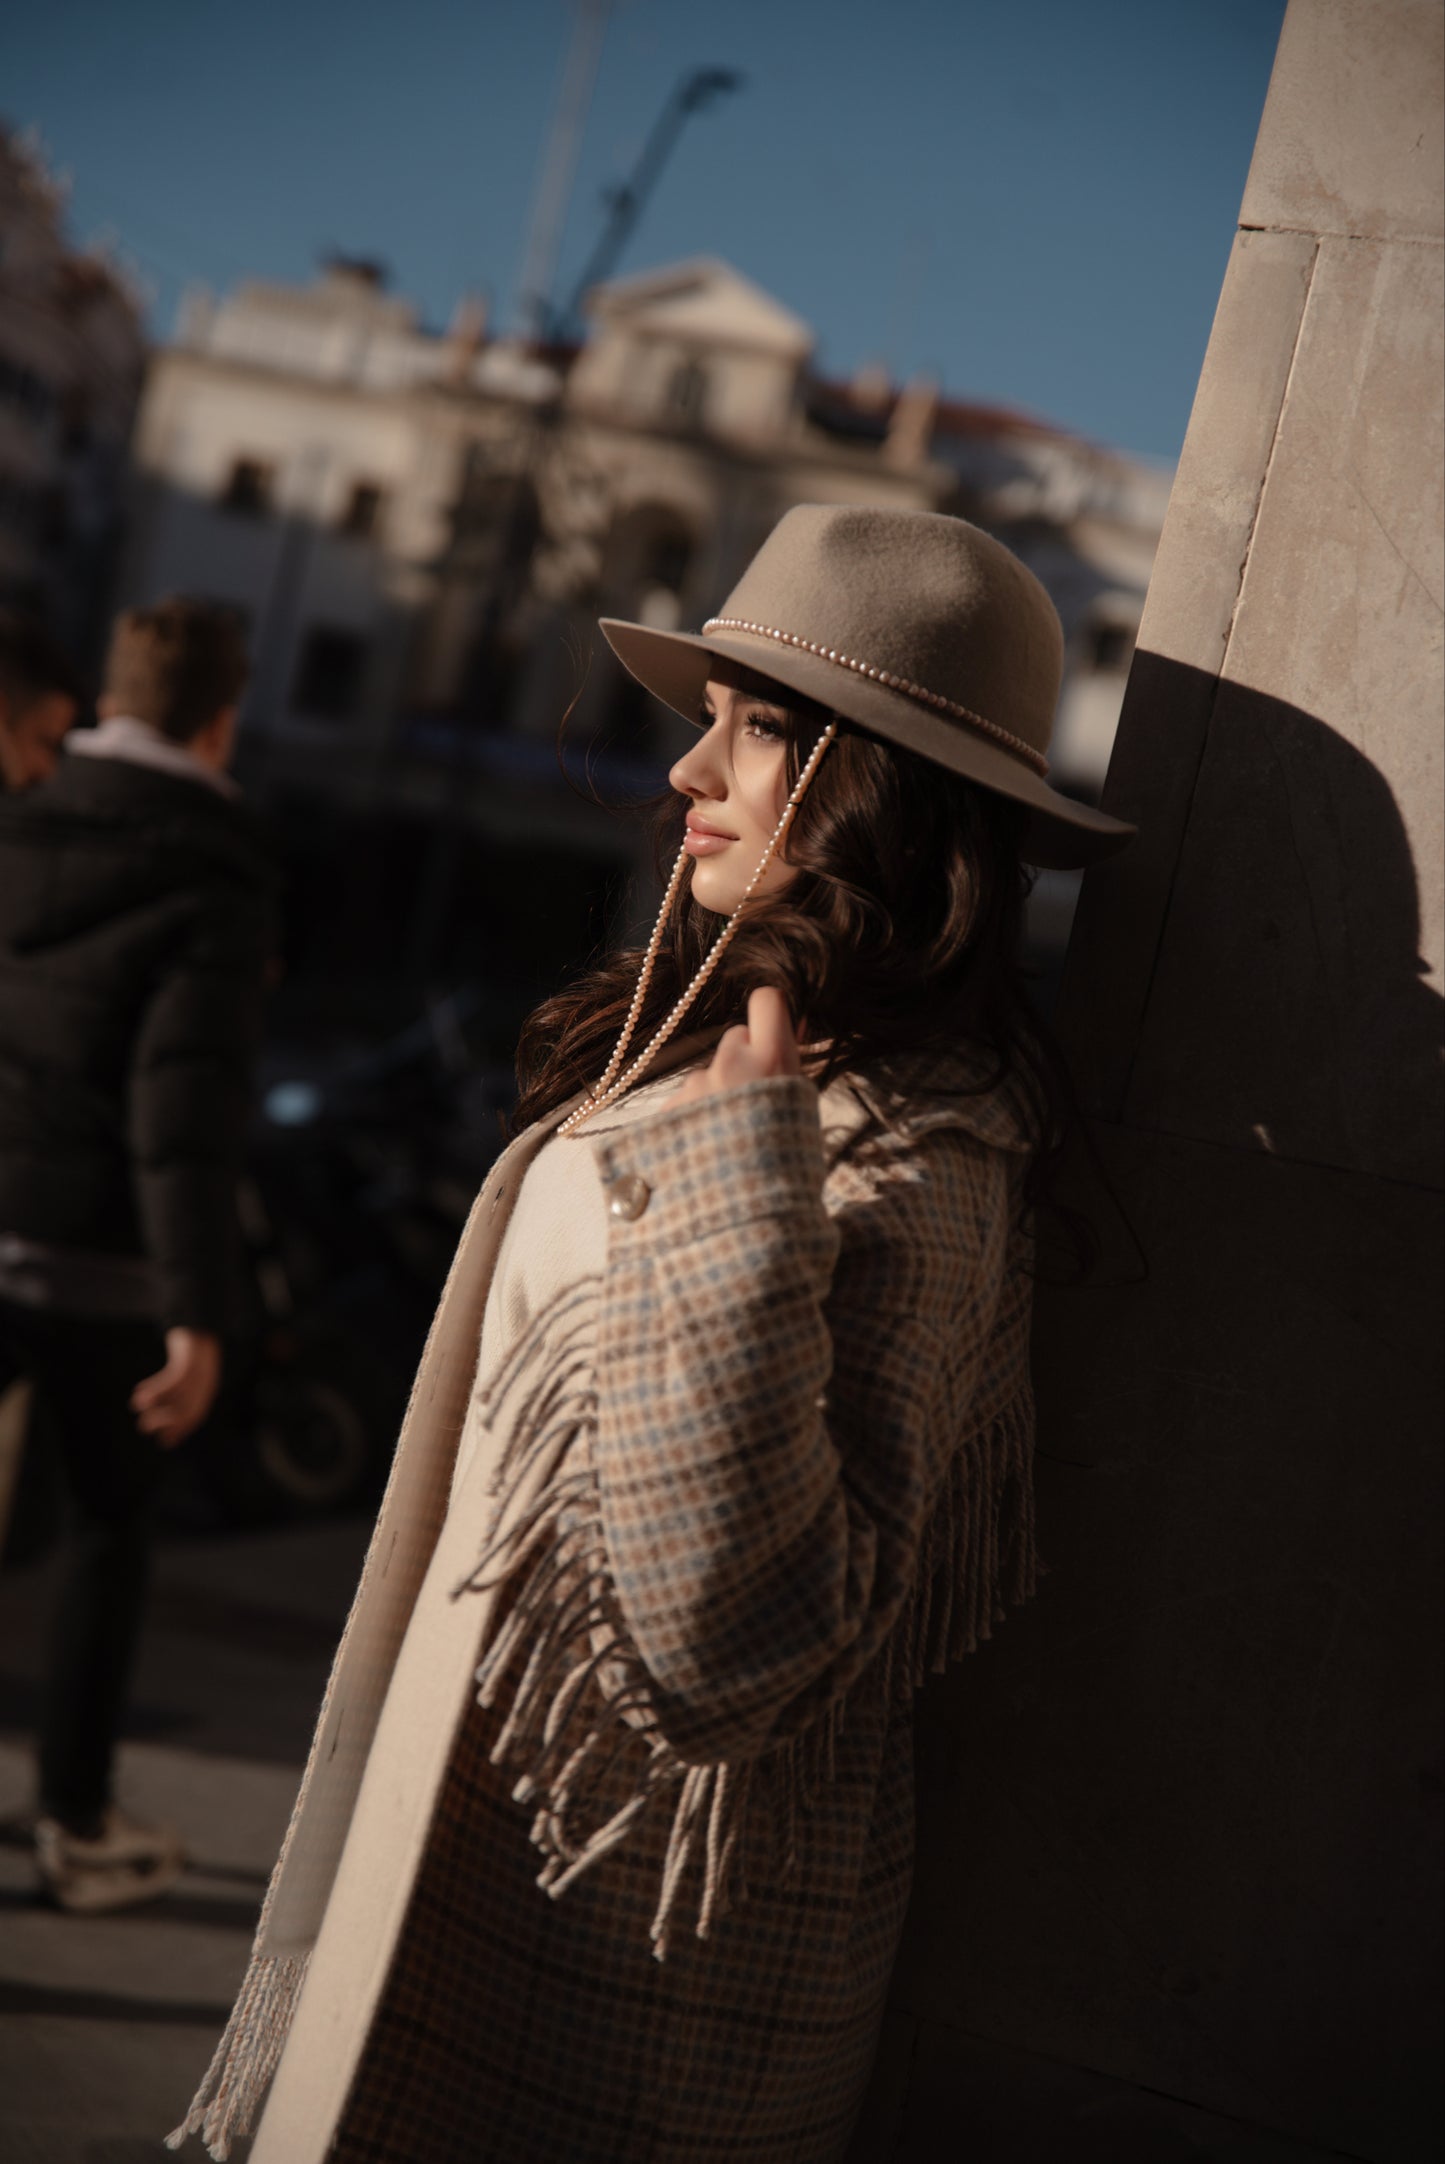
746, 1449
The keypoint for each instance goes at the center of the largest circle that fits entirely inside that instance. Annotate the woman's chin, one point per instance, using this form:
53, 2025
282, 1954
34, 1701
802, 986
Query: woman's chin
713, 889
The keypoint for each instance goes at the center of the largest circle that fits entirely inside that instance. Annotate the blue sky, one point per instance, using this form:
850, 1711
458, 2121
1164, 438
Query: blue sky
1031, 199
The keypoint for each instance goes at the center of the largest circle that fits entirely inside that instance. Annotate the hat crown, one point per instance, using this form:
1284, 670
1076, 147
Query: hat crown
930, 600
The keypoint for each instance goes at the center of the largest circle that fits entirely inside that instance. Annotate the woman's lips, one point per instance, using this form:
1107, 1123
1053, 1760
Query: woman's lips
705, 841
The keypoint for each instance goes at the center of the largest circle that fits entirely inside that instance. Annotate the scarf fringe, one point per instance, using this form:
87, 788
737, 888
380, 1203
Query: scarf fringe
246, 2057
577, 1701
978, 1557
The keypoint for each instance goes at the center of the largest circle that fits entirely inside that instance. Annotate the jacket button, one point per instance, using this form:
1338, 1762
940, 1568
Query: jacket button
629, 1197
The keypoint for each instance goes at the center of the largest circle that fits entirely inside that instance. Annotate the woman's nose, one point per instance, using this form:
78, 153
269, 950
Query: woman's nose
701, 771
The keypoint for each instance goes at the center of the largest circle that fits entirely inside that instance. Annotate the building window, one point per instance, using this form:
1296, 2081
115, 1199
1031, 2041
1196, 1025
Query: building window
687, 394
21, 386
21, 505
646, 567
361, 514
248, 487
329, 672
666, 560
1111, 647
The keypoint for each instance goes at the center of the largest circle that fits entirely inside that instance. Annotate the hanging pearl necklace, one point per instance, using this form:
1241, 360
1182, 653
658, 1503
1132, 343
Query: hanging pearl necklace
616, 1079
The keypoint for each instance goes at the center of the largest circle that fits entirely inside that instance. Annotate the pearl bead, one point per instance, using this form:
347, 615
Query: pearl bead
935, 699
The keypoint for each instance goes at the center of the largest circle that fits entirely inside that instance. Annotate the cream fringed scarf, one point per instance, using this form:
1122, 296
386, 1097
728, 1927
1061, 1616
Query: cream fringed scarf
412, 1512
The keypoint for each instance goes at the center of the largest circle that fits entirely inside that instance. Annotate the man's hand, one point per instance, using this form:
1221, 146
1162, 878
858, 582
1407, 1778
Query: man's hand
766, 1044
172, 1404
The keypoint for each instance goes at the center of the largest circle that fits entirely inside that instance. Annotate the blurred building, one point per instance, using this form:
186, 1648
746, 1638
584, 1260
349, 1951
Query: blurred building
422, 528
72, 350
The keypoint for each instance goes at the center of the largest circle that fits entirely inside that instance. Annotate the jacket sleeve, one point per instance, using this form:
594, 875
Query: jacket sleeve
188, 1099
770, 1386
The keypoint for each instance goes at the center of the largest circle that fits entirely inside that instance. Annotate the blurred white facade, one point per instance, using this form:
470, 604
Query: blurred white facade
422, 527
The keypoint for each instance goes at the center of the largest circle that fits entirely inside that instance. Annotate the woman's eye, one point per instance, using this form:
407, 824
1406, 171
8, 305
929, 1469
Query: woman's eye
765, 729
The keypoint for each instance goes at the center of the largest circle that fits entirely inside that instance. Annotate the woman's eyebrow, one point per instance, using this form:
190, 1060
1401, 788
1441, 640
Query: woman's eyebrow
754, 702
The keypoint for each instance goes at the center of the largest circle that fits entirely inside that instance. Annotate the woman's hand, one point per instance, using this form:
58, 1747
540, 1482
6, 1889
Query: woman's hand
766, 1044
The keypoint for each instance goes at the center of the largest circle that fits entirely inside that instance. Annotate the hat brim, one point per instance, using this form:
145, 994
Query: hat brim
1060, 835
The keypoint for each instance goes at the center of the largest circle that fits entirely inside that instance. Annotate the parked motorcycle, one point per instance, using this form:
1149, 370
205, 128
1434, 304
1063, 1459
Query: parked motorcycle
361, 1172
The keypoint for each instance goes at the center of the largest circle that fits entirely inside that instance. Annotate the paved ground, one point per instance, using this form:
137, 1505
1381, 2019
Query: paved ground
106, 2023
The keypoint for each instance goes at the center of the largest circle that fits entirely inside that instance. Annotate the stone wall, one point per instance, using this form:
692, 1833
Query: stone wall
1178, 1891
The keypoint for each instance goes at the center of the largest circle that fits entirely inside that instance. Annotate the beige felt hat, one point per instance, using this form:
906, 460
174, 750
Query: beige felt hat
920, 628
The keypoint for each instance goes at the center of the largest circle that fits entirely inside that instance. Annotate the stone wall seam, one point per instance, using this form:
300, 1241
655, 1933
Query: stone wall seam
1162, 933
1268, 468
1374, 240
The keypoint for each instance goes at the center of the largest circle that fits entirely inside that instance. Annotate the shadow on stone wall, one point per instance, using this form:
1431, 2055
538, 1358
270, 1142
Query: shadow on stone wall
1179, 1822
1252, 962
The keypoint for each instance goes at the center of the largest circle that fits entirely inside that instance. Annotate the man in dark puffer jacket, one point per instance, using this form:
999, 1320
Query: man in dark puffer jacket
136, 922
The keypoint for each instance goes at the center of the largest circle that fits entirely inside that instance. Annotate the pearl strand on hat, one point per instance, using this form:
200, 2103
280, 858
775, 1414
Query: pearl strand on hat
613, 1084
1000, 735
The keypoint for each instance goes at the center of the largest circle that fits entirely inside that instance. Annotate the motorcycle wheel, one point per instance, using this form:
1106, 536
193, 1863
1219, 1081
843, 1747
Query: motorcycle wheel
311, 1443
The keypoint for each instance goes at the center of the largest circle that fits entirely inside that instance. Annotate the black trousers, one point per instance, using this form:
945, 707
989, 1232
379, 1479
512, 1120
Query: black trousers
83, 1372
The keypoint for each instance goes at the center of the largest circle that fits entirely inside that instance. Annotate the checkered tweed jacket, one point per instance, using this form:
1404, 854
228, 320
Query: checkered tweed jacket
624, 1807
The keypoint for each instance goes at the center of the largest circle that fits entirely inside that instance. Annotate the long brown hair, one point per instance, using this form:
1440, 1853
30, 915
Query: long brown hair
900, 932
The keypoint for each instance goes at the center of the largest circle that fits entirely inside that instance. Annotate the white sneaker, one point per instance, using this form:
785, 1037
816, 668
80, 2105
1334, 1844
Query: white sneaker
124, 1863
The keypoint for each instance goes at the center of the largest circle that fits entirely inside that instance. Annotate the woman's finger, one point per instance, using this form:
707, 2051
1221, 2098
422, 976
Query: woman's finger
766, 1044
732, 1060
771, 1033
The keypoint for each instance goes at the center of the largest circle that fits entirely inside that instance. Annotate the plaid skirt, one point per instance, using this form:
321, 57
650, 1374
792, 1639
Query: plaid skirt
515, 2028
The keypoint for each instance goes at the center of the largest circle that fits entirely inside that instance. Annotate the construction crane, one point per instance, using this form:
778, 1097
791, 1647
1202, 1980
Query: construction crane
625, 203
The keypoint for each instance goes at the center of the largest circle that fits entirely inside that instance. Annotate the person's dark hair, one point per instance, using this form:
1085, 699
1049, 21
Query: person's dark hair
32, 665
176, 664
899, 933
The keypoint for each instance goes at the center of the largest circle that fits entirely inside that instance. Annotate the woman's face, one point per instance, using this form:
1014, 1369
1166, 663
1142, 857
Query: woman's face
736, 779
